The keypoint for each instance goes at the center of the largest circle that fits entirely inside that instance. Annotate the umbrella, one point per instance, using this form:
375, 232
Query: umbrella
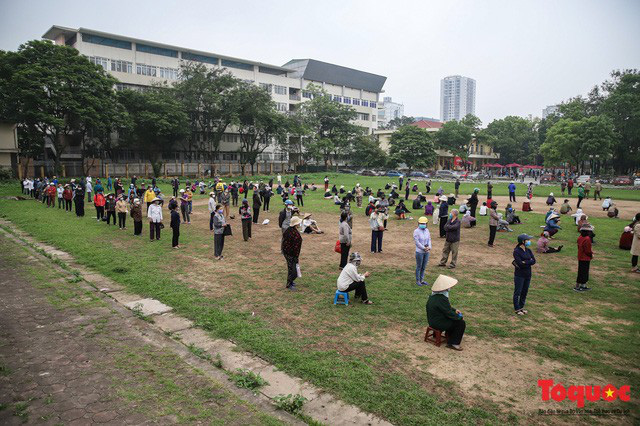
513, 165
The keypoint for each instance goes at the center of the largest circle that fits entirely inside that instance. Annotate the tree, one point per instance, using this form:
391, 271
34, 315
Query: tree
514, 138
158, 123
329, 125
366, 152
205, 95
454, 136
52, 90
399, 122
412, 146
257, 121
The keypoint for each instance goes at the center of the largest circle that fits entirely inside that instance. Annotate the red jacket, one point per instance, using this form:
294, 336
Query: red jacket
67, 194
51, 191
584, 248
98, 200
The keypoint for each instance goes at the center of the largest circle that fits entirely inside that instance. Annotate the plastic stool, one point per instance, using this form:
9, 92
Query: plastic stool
344, 300
435, 336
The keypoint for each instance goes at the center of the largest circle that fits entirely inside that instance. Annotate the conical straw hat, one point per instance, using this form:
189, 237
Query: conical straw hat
443, 283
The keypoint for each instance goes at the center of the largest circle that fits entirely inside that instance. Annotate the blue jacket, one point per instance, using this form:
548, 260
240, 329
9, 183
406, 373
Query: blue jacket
443, 209
512, 187
552, 224
524, 259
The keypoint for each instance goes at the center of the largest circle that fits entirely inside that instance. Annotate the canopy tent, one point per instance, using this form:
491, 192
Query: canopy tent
493, 165
531, 167
513, 165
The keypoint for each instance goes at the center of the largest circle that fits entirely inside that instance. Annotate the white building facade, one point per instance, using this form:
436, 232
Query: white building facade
139, 63
457, 97
388, 110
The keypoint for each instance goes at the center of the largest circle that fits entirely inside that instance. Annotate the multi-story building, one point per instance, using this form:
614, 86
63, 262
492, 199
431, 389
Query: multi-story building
457, 97
139, 63
9, 148
388, 110
550, 109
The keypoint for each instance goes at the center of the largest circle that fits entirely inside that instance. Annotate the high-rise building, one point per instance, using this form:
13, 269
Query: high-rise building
550, 109
457, 97
388, 110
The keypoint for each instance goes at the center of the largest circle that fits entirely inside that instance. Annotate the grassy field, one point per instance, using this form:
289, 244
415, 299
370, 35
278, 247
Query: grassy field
373, 356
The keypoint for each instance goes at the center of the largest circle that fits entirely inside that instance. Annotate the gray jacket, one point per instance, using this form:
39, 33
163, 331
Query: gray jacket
218, 224
493, 217
344, 233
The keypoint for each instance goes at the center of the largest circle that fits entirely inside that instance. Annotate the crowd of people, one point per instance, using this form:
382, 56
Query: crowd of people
113, 201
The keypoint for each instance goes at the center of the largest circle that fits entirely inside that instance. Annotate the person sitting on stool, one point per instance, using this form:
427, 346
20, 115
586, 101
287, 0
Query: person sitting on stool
350, 279
441, 316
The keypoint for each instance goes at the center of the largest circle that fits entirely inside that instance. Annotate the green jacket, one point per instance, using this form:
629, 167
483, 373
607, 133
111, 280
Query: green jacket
440, 314
580, 191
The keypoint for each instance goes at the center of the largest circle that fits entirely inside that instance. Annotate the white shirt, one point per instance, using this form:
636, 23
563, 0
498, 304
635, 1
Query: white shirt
212, 205
279, 178
89, 187
155, 213
483, 210
60, 190
348, 276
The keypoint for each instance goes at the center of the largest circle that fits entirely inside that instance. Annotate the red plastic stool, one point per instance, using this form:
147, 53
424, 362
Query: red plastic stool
435, 336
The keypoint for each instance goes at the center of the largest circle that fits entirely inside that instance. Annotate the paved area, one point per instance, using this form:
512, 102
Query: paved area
67, 357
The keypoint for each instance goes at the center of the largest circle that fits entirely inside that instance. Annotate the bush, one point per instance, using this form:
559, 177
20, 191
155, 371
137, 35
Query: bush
6, 174
290, 403
248, 379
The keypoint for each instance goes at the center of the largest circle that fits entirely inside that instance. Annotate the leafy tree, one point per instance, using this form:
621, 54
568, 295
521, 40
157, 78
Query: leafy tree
51, 91
514, 138
366, 152
206, 96
158, 123
399, 122
412, 146
257, 121
454, 136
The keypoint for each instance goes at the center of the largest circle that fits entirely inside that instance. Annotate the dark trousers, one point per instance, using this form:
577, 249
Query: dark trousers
265, 206
344, 254
184, 209
175, 192
292, 272
111, 214
512, 196
234, 200
99, 212
211, 215
520, 290
256, 213
299, 200
376, 241
360, 288
492, 234
218, 244
122, 220
246, 228
137, 228
154, 230
472, 212
455, 332
176, 236
443, 221
67, 205
634, 261
552, 250
80, 207
60, 202
579, 200
583, 271
596, 195
569, 188
88, 197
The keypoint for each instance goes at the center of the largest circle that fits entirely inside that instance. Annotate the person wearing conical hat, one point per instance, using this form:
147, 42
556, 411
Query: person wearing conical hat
443, 317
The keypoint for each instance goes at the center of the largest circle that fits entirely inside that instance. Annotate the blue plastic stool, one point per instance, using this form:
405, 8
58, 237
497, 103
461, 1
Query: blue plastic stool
344, 300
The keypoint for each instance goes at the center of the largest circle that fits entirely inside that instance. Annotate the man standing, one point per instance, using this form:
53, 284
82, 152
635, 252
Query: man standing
457, 186
489, 190
587, 188
581, 195
569, 185
512, 191
596, 190
400, 180
493, 222
452, 228
175, 184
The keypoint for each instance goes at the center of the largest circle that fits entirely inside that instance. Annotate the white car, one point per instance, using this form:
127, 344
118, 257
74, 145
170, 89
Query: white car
583, 178
636, 182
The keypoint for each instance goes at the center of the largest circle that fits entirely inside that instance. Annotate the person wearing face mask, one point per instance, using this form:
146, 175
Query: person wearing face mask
523, 259
218, 232
452, 241
422, 239
284, 218
350, 279
442, 316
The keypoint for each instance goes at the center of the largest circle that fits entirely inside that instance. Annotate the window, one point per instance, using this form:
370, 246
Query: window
280, 90
373, 105
169, 73
362, 116
143, 69
337, 98
282, 106
373, 117
121, 66
105, 41
365, 103
347, 100
199, 58
229, 156
156, 50
267, 87
272, 71
231, 138
356, 101
236, 64
97, 60
306, 94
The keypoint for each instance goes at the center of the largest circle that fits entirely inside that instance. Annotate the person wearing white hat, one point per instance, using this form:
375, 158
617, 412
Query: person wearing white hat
184, 206
551, 200
376, 222
154, 213
359, 193
441, 316
349, 279
290, 247
422, 240
552, 224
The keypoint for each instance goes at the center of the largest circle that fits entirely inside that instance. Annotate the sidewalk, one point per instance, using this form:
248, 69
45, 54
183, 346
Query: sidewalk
69, 357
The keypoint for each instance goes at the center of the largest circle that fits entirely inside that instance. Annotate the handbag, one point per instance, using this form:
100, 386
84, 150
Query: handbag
338, 248
227, 230
380, 228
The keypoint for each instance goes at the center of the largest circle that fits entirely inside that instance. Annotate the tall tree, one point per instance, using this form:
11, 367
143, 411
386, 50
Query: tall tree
50, 87
206, 95
454, 136
399, 122
158, 123
366, 152
412, 146
514, 138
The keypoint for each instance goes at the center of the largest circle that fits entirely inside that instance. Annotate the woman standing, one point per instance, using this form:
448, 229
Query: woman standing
523, 259
585, 255
79, 200
219, 223
110, 207
256, 204
155, 219
443, 215
99, 202
344, 236
635, 245
175, 226
136, 215
121, 209
493, 222
291, 246
422, 239
245, 216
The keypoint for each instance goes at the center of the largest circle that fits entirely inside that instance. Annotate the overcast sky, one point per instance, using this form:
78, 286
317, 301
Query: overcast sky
524, 55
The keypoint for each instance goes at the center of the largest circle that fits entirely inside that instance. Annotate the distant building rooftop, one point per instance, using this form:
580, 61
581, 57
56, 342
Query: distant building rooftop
428, 124
311, 69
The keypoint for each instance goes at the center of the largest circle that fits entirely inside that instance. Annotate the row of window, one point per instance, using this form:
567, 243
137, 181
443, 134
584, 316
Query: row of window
354, 101
142, 69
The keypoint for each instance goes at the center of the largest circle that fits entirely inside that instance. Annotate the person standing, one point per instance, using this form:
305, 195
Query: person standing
585, 255
523, 259
211, 207
581, 195
473, 204
635, 244
512, 191
184, 206
489, 190
284, 218
587, 188
59, 192
326, 183
234, 194
344, 236
569, 185
563, 187
89, 188
136, 215
175, 227
154, 214
452, 242
400, 181
443, 214
597, 188
149, 195
175, 184
78, 197
299, 199
245, 217
121, 210
422, 240
290, 247
376, 221
493, 222
225, 200
219, 223
110, 208
268, 193
67, 194
406, 191
457, 187
256, 206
